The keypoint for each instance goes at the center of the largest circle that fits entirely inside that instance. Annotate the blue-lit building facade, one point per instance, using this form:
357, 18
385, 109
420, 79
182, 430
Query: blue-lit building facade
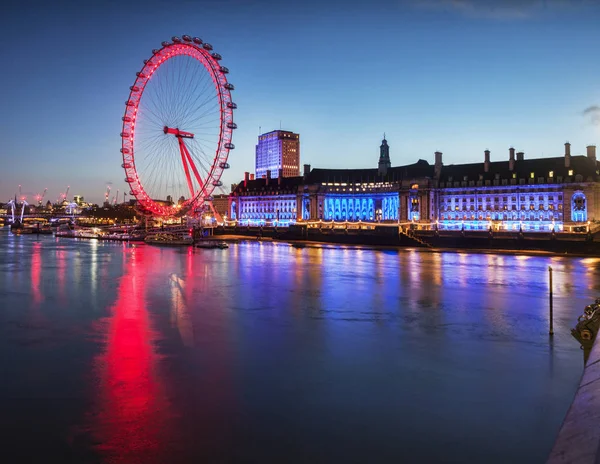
278, 152
544, 194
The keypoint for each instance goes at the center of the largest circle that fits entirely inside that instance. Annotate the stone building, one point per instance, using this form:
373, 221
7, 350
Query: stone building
542, 194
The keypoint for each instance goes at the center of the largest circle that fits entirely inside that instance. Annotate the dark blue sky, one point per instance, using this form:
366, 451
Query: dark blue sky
459, 76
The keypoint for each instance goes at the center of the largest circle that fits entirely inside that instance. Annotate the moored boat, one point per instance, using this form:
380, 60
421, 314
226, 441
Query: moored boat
211, 244
169, 239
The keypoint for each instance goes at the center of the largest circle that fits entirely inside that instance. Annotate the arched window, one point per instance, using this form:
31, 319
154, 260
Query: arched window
578, 207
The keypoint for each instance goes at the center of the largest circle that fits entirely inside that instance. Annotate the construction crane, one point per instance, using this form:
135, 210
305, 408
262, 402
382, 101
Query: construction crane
39, 197
116, 199
107, 194
63, 196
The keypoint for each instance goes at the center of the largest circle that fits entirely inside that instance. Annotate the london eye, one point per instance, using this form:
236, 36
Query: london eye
177, 128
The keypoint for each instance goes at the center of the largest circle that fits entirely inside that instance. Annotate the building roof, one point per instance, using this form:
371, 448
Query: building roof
417, 170
278, 184
541, 167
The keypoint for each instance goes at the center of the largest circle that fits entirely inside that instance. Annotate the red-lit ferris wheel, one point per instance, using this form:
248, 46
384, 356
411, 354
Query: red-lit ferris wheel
177, 127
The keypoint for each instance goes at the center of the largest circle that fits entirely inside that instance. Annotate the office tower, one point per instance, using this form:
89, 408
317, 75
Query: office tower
278, 151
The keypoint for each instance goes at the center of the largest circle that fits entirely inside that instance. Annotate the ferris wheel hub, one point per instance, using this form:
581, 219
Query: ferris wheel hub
178, 133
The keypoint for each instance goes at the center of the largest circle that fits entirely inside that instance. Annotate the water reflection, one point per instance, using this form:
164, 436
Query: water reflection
180, 316
132, 410
36, 267
269, 353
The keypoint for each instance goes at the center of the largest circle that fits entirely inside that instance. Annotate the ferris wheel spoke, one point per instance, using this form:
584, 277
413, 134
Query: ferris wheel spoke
209, 102
194, 93
202, 159
201, 94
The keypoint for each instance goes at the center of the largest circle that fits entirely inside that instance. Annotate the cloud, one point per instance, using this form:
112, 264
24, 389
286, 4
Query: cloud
593, 114
502, 9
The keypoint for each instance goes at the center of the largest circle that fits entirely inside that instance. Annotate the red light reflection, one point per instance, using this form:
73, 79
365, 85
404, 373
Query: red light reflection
36, 267
132, 405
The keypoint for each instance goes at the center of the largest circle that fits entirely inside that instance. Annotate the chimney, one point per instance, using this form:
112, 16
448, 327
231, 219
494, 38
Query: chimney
591, 152
306, 170
268, 178
246, 174
251, 176
511, 159
279, 176
520, 156
567, 155
438, 164
486, 164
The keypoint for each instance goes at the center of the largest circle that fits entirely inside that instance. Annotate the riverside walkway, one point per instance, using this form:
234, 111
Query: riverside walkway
578, 441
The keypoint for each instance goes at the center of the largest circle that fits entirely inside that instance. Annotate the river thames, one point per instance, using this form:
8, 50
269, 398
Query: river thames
262, 352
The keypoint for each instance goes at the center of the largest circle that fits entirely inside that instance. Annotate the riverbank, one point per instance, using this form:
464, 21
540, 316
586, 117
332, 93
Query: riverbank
532, 243
233, 238
578, 441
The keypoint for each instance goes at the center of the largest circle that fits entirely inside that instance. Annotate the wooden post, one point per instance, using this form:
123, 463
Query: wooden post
550, 296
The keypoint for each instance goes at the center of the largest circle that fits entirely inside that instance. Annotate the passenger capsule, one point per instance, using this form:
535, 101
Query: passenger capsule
130, 103
197, 40
224, 70
230, 145
126, 165
128, 180
224, 165
231, 105
133, 192
125, 151
187, 38
217, 183
125, 135
134, 88
140, 75
208, 198
165, 43
232, 125
216, 56
207, 46
229, 86
176, 39
126, 119
155, 51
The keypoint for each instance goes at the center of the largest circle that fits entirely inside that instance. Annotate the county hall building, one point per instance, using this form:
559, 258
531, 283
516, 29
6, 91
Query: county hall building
544, 194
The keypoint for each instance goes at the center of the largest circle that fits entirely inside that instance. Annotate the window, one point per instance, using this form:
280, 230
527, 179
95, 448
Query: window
570, 172
532, 175
514, 175
551, 174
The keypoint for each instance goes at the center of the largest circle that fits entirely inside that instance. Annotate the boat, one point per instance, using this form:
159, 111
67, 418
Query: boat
169, 239
21, 230
64, 230
45, 229
212, 244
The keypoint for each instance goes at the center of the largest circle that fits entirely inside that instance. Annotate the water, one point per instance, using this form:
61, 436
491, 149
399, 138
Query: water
266, 353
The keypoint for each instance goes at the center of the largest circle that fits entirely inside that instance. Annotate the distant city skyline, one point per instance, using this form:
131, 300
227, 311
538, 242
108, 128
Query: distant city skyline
447, 75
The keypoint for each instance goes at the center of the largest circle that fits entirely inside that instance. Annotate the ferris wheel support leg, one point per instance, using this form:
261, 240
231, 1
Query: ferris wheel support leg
185, 166
194, 169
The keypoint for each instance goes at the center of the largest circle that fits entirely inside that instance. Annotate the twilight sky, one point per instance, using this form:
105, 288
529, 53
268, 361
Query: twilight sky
459, 76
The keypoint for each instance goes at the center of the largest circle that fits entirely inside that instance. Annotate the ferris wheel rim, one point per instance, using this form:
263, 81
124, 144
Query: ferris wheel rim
200, 51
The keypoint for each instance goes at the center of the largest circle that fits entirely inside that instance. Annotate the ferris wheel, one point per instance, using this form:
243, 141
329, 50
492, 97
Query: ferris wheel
177, 127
